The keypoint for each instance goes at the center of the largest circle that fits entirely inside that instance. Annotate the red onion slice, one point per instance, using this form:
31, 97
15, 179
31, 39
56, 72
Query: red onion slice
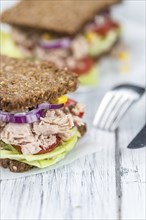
48, 106
28, 117
55, 44
24, 117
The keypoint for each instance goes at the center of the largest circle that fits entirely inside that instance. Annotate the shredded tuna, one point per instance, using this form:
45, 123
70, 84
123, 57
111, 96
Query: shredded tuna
78, 109
20, 135
55, 122
42, 133
28, 42
78, 121
80, 47
2, 124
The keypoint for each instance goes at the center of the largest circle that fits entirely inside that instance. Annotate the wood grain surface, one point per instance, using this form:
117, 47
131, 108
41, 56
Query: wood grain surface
110, 184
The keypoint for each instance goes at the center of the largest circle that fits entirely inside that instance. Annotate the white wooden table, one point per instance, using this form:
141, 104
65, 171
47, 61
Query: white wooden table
109, 184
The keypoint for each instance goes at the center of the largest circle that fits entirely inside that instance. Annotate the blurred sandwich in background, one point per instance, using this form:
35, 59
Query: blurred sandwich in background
71, 33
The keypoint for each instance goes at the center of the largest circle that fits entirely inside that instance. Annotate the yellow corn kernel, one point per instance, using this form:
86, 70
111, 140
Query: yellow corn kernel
61, 100
46, 36
90, 36
123, 55
124, 69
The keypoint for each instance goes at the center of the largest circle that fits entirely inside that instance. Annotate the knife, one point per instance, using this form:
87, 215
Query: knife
140, 140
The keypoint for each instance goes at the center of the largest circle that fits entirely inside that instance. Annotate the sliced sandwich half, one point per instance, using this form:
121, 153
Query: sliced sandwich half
39, 125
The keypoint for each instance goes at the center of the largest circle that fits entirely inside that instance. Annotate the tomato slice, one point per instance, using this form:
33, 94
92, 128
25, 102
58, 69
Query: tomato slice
105, 28
42, 151
51, 147
18, 148
70, 102
81, 114
83, 65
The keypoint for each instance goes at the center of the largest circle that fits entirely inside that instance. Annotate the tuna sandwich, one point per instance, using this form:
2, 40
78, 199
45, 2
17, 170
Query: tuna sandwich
71, 33
39, 124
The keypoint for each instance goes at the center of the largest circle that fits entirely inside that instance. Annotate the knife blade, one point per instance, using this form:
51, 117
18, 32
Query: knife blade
139, 141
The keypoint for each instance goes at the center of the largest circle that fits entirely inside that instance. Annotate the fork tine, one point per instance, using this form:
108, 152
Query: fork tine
115, 112
130, 101
109, 109
120, 114
115, 104
104, 103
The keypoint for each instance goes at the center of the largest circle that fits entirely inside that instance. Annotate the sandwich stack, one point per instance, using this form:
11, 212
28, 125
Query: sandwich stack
39, 125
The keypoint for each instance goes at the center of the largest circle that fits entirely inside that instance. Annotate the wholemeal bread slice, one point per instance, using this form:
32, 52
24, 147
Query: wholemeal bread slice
25, 83
14, 165
60, 16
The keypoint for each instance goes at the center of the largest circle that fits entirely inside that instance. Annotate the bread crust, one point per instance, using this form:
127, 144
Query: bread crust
25, 83
15, 166
65, 17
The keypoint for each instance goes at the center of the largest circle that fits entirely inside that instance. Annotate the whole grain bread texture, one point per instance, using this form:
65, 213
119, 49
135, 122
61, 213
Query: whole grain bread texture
59, 16
25, 83
15, 166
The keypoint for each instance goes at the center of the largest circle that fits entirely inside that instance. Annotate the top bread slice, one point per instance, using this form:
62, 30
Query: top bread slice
25, 83
60, 16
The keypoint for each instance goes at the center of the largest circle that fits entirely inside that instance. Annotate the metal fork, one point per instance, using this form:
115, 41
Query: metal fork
115, 104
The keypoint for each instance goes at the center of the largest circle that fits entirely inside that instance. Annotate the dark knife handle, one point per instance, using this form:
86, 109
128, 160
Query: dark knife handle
140, 140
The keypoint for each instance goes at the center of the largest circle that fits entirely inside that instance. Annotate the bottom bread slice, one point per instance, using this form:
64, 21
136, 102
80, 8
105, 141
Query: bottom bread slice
14, 165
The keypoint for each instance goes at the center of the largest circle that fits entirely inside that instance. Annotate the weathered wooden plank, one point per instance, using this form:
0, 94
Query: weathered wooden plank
87, 190
132, 166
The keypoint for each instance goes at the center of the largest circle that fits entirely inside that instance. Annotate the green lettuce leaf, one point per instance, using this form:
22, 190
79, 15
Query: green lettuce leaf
91, 78
42, 160
8, 147
103, 44
8, 47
